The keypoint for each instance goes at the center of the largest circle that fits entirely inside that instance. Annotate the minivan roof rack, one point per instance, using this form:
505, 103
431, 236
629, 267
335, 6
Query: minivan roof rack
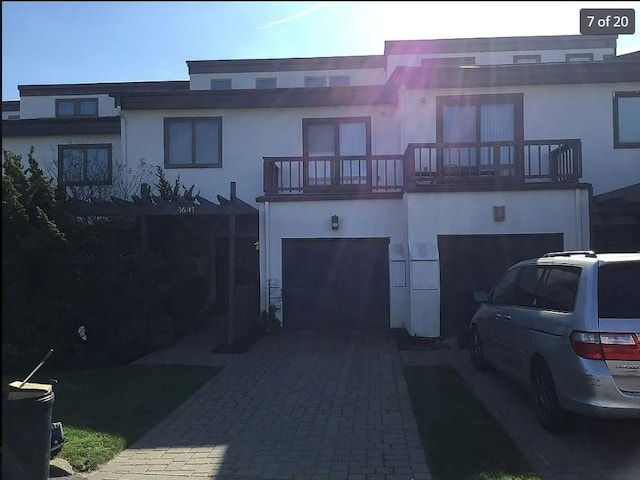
568, 253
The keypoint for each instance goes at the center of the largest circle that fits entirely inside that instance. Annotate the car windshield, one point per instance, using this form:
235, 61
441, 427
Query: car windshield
618, 290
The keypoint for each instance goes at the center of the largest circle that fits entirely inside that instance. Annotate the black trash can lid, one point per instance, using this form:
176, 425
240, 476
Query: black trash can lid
28, 390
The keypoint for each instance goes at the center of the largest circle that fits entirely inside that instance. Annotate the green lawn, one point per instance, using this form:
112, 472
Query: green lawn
105, 410
461, 440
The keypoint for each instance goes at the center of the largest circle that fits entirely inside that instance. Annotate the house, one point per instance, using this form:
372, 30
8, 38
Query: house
389, 187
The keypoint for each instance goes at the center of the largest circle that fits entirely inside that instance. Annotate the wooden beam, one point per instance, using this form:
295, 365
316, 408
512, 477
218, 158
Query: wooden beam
232, 281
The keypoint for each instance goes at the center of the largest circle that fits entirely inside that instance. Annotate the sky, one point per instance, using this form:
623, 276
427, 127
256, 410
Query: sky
85, 42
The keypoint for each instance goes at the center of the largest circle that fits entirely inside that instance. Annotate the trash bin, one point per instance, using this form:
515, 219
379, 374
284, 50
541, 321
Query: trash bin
26, 431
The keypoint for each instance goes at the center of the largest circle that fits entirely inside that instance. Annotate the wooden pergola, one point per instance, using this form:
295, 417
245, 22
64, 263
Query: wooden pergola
146, 205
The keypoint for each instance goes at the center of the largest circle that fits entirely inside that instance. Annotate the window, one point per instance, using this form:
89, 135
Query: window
503, 292
346, 139
13, 117
618, 290
77, 107
525, 292
269, 82
84, 164
626, 120
447, 61
578, 57
221, 84
527, 58
339, 81
480, 118
558, 289
193, 142
315, 81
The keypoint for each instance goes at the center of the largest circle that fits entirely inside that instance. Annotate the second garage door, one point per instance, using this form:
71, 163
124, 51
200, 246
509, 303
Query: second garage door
335, 283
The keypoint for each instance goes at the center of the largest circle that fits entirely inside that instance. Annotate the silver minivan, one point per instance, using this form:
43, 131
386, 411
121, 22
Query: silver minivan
566, 326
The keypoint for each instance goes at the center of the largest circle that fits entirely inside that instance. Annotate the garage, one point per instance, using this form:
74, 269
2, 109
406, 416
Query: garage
335, 283
475, 262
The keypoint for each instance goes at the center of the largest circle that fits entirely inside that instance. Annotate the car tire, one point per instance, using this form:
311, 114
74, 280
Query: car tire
550, 414
476, 350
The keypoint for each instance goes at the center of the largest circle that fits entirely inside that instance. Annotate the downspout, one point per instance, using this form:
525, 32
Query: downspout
123, 137
267, 252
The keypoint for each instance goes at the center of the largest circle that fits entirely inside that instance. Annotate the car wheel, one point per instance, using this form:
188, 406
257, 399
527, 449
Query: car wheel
550, 415
476, 350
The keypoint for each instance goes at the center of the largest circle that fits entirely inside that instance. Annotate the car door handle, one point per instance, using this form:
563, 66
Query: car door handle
498, 316
506, 318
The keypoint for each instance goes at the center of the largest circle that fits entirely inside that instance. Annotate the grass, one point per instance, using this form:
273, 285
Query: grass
105, 410
461, 440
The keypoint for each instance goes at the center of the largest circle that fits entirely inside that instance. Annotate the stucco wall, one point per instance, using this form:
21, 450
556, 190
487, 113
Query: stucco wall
550, 112
468, 213
247, 137
46, 148
358, 219
45, 106
288, 79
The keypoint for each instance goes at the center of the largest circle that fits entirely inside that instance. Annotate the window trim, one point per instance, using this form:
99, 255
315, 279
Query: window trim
192, 121
76, 107
338, 78
267, 79
617, 144
85, 146
515, 99
309, 78
517, 59
226, 80
578, 57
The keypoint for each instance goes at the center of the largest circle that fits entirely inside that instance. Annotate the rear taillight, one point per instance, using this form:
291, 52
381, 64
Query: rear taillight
606, 346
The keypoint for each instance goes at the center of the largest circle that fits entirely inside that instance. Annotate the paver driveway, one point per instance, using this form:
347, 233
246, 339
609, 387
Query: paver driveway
298, 406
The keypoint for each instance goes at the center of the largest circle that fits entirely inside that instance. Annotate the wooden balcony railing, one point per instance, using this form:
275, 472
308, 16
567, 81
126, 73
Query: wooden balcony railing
494, 162
296, 175
425, 164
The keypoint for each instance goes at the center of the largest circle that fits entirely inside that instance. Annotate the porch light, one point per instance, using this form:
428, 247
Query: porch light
334, 222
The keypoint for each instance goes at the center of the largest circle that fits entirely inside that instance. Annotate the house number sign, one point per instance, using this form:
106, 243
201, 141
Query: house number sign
189, 209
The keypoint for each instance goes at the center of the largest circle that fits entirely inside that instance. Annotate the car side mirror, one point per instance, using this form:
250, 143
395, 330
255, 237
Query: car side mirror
480, 297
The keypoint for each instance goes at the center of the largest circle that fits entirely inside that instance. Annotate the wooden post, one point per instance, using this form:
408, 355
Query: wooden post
232, 272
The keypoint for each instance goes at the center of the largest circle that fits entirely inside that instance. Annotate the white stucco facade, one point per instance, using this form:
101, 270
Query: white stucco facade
44, 106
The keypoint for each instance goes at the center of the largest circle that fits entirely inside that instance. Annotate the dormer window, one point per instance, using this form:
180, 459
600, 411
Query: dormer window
339, 81
578, 57
266, 82
76, 107
319, 81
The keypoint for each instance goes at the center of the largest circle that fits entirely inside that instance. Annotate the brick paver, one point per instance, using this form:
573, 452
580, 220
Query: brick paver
298, 406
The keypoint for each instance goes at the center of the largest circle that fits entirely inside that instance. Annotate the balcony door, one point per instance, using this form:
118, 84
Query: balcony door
481, 131
336, 152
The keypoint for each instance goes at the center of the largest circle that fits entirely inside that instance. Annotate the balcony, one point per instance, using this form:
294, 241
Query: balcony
530, 161
427, 165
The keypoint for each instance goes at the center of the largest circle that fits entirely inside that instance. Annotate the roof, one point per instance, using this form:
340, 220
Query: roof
499, 44
11, 106
60, 126
260, 98
522, 74
286, 64
104, 88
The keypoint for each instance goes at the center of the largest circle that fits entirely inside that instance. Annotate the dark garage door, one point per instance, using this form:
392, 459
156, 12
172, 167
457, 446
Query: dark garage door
474, 262
335, 283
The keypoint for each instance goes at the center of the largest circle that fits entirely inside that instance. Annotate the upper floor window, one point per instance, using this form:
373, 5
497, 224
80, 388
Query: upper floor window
527, 58
447, 61
221, 84
13, 117
319, 81
193, 142
85, 164
268, 82
578, 57
339, 81
626, 120
77, 107
337, 148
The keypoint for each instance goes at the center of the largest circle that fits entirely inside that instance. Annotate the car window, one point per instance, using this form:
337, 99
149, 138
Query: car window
618, 290
558, 288
502, 293
525, 291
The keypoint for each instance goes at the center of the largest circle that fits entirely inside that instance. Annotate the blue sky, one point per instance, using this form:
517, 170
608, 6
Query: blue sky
80, 42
